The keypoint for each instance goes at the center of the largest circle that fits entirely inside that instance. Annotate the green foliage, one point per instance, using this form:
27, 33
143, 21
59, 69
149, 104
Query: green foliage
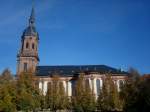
56, 98
109, 99
144, 96
84, 100
64, 99
28, 96
136, 93
7, 92
22, 94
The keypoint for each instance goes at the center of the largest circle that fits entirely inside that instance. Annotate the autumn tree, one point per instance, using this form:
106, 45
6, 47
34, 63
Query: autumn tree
7, 92
108, 99
28, 95
143, 98
136, 93
64, 99
83, 100
56, 98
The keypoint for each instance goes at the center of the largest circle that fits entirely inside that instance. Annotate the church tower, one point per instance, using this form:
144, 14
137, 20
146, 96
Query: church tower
27, 58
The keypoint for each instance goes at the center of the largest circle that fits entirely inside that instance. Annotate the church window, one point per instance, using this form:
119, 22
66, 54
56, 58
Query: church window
73, 83
50, 87
32, 46
120, 84
27, 45
87, 84
61, 86
25, 67
36, 83
98, 86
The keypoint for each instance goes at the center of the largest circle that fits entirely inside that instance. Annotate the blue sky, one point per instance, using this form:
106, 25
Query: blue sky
74, 32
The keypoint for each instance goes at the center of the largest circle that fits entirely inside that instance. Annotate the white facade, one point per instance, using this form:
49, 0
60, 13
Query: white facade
95, 83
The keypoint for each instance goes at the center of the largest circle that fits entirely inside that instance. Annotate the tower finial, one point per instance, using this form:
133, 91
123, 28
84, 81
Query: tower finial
32, 3
32, 16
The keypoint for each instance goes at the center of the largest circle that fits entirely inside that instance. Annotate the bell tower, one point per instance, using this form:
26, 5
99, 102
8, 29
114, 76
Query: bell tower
27, 58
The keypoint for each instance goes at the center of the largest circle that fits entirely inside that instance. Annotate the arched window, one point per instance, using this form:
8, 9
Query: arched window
120, 84
27, 45
49, 88
73, 83
87, 84
98, 86
25, 67
36, 83
61, 87
32, 45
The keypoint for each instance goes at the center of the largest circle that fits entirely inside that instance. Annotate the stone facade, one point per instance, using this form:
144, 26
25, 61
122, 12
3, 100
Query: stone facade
27, 58
95, 82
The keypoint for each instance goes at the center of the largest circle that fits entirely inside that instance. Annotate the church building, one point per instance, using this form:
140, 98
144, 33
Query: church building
28, 58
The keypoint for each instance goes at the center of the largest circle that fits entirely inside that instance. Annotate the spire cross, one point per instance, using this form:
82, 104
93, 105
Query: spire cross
32, 17
33, 3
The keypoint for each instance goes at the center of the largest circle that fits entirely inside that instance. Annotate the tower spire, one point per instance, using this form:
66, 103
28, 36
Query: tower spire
28, 54
32, 16
31, 29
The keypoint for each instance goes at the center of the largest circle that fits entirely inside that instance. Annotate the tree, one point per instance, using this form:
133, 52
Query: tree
7, 92
56, 98
108, 99
28, 96
84, 100
130, 91
136, 93
143, 102
64, 99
